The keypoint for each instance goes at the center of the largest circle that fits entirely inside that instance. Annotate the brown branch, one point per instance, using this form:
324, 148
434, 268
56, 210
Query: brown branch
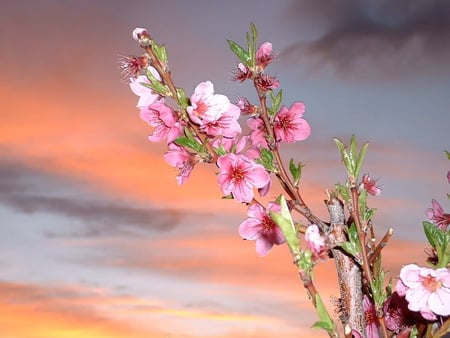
349, 273
384, 241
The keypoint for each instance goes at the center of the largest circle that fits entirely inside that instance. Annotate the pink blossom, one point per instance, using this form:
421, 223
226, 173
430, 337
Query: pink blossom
426, 290
239, 175
259, 226
264, 55
146, 95
205, 105
226, 125
397, 316
247, 108
289, 125
371, 318
370, 185
258, 133
131, 66
181, 159
315, 241
242, 73
164, 120
265, 82
437, 216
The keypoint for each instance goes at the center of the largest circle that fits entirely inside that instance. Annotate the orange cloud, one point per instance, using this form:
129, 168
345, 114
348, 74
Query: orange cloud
28, 311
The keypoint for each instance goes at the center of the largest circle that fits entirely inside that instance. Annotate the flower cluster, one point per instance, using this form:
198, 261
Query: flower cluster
205, 127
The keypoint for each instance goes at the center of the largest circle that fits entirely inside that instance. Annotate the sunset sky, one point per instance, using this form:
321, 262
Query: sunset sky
97, 240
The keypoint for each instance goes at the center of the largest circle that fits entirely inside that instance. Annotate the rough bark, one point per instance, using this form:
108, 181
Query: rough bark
351, 310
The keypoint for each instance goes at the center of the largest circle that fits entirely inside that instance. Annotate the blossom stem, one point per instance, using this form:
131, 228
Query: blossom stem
381, 245
283, 178
354, 212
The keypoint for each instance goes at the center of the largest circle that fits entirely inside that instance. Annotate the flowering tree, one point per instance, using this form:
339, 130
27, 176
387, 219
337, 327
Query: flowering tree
205, 128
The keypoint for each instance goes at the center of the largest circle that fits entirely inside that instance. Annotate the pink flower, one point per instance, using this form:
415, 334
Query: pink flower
226, 125
205, 105
315, 241
180, 158
289, 125
437, 216
370, 186
146, 95
242, 73
264, 55
164, 120
264, 82
371, 318
247, 108
259, 226
258, 133
131, 66
426, 290
239, 175
397, 316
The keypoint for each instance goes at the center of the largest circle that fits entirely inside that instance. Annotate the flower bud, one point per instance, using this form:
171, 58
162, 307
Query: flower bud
139, 33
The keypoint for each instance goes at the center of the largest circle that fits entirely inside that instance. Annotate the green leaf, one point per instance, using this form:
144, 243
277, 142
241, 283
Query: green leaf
353, 150
349, 248
160, 52
352, 246
156, 85
220, 151
240, 52
377, 287
276, 101
440, 241
325, 322
267, 160
296, 171
254, 31
343, 191
182, 99
252, 39
345, 157
447, 153
433, 234
286, 224
360, 160
414, 332
187, 142
266, 155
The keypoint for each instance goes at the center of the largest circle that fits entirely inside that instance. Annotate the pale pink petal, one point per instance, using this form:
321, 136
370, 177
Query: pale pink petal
250, 229
259, 176
243, 192
298, 108
263, 246
256, 211
439, 302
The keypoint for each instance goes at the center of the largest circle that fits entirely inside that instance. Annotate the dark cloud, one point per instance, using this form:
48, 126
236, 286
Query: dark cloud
32, 191
374, 38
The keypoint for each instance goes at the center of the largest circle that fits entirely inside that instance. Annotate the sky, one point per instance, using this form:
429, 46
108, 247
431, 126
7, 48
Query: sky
96, 237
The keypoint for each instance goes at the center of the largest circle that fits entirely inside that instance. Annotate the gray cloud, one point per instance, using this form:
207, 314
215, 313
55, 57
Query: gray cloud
31, 191
384, 38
